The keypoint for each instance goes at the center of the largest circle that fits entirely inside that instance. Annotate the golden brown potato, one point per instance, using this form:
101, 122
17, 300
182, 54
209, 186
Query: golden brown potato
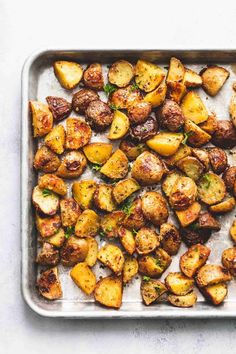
99, 115
193, 108
139, 112
52, 183
72, 165
196, 136
144, 131
215, 293
157, 96
87, 224
151, 290
155, 208
183, 193
117, 165
223, 207
192, 260
165, 143
48, 255
83, 192
130, 269
121, 73
148, 75
123, 189
189, 215
91, 257
83, 277
191, 166
211, 274
169, 181
70, 211
182, 152
98, 153
78, 133
176, 91
229, 260
119, 126
55, 140
82, 98
170, 116
191, 78
229, 178
147, 169
58, 239
45, 201
108, 292
232, 231
232, 109
45, 160
179, 284
103, 197
213, 78
132, 150
112, 256
111, 222
49, 284
211, 188
202, 156
93, 77
218, 160
59, 107
123, 98
73, 251
210, 125
154, 265
195, 235
170, 238
134, 216
176, 71
187, 300
225, 135
42, 118
207, 222
48, 226
69, 74
127, 239
146, 240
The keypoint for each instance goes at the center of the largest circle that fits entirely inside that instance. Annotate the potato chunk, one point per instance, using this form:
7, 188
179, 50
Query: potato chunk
72, 165
225, 135
229, 260
169, 181
48, 256
192, 79
176, 71
193, 259
108, 292
83, 277
148, 75
98, 153
211, 188
73, 251
119, 126
45, 201
183, 193
218, 160
127, 239
157, 96
154, 265
123, 98
131, 149
191, 166
112, 256
83, 192
211, 274
165, 143
187, 300
170, 238
232, 109
130, 269
59, 107
197, 137
78, 133
210, 125
134, 216
146, 240
69, 74
123, 189
58, 239
189, 215
207, 222
223, 207
154, 208
111, 222
215, 293
49, 284
117, 166
87, 224
151, 290
48, 226
182, 152
179, 284
103, 197
121, 73
232, 231
202, 156
52, 183
42, 118
93, 77
70, 211
213, 78
91, 257
45, 160
55, 140
193, 108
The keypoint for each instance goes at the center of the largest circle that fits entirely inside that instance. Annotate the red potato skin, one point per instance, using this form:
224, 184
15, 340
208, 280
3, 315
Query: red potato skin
218, 160
144, 131
59, 107
82, 99
170, 116
225, 135
99, 115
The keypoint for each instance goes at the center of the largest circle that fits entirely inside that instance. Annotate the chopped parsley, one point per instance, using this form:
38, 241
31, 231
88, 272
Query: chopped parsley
145, 278
134, 232
186, 136
102, 234
134, 87
109, 88
95, 166
127, 206
46, 192
206, 180
69, 231
114, 107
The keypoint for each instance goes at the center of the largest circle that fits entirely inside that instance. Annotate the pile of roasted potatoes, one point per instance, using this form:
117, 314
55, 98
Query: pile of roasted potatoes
166, 138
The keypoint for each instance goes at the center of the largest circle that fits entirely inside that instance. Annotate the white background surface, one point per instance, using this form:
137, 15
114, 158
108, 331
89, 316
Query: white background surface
29, 25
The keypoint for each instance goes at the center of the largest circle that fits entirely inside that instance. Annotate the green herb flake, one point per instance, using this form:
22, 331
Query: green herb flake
109, 88
145, 278
95, 166
134, 232
186, 136
134, 87
69, 231
46, 192
126, 207
114, 107
206, 180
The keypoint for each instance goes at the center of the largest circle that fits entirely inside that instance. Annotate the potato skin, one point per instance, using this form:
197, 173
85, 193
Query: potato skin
218, 160
211, 274
139, 112
93, 77
46, 204
135, 219
117, 166
48, 226
154, 265
144, 131
183, 193
103, 198
207, 222
72, 165
210, 125
42, 118
154, 208
123, 98
78, 133
211, 188
213, 78
49, 285
68, 73
194, 237
146, 240
193, 259
110, 223
99, 115
82, 98
170, 116
187, 300
178, 284
131, 149
59, 107
108, 292
70, 211
48, 255
151, 290
198, 137
52, 183
225, 135
121, 73
127, 239
45, 160
229, 178
229, 260
170, 238
73, 251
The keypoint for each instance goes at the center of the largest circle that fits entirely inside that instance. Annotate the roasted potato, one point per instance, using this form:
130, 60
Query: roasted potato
154, 208
52, 183
154, 265
69, 74
223, 207
169, 181
193, 235
48, 256
144, 131
72, 165
55, 140
123, 98
93, 77
119, 126
193, 259
58, 239
210, 125
108, 292
179, 284
211, 188
82, 98
211, 274
116, 166
170, 238
202, 156
49, 284
111, 222
146, 240
213, 78
42, 118
232, 109
123, 189
98, 153
148, 75
187, 300
83, 277
215, 293
183, 193
165, 143
70, 211
59, 107
229, 178
99, 115
207, 222
78, 133
229, 260
127, 239
87, 224
182, 152
139, 112
189, 215
176, 91
45, 160
218, 160
112, 256
170, 116
131, 149
232, 231
83, 192
103, 197
147, 169
191, 166
121, 73
191, 78
134, 217
176, 71
130, 269
91, 257
196, 136
48, 226
73, 251
45, 201
151, 290
157, 96
193, 108
225, 135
